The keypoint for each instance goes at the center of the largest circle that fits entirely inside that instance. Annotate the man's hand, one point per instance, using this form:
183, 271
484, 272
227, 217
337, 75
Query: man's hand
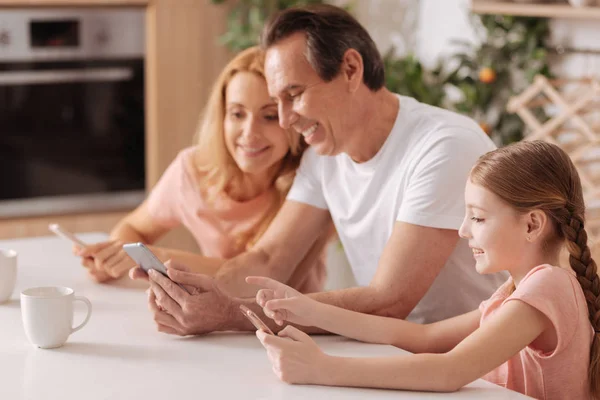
205, 310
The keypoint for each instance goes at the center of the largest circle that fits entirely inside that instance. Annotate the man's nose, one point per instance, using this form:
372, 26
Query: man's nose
287, 116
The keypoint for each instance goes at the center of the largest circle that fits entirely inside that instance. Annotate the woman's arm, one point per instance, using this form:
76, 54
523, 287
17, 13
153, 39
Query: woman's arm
138, 226
106, 260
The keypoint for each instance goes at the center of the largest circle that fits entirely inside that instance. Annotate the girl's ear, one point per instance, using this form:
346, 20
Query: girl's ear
536, 224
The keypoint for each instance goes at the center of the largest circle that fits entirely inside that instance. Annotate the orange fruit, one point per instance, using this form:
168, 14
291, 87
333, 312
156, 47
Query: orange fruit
486, 128
487, 75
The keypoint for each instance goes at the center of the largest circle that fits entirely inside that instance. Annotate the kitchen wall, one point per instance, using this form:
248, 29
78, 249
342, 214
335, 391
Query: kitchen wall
442, 20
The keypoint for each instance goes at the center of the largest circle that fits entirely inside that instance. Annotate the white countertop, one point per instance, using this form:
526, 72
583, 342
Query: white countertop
120, 355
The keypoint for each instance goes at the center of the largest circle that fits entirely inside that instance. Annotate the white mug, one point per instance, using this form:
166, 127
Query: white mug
581, 3
48, 315
8, 273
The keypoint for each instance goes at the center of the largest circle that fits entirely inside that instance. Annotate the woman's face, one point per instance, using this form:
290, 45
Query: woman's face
252, 133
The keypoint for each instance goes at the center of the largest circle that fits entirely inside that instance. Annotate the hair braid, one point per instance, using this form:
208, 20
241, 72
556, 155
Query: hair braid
585, 267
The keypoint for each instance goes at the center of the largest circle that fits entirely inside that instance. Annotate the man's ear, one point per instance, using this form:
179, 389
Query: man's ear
352, 69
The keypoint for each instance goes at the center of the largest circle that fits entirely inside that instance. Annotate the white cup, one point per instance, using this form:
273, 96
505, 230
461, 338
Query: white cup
8, 273
581, 3
48, 315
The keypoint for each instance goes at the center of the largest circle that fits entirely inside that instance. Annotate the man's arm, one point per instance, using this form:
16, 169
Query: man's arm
411, 260
279, 251
214, 304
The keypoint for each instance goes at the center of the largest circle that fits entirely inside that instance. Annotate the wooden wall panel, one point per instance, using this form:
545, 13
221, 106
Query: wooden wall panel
183, 58
70, 3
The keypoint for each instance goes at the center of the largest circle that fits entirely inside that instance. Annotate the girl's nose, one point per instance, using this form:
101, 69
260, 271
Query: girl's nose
463, 231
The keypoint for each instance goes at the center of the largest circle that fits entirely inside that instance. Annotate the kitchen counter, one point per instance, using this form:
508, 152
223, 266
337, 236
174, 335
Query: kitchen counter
120, 355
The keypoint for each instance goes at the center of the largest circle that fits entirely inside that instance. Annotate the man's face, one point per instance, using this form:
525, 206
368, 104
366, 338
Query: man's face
306, 103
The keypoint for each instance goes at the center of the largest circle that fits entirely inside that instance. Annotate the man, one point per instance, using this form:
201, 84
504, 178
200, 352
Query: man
387, 169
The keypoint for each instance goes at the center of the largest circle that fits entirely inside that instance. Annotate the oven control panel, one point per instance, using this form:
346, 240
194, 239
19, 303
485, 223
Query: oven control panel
54, 34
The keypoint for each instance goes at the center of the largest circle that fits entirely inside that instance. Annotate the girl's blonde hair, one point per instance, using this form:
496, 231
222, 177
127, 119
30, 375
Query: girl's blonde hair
216, 171
540, 176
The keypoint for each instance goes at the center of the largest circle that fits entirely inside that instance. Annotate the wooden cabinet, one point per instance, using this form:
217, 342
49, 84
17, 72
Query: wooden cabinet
534, 10
183, 58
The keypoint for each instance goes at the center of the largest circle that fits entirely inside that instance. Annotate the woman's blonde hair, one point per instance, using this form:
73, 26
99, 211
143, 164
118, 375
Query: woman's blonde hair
540, 176
215, 168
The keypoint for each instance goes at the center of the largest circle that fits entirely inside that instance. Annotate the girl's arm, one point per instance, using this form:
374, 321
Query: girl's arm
437, 337
282, 303
514, 326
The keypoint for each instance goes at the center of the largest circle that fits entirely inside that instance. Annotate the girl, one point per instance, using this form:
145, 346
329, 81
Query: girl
225, 190
523, 204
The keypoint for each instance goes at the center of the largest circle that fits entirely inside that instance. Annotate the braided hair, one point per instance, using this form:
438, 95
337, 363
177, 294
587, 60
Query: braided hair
536, 175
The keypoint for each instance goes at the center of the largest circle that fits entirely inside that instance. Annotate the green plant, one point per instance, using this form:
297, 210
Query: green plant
483, 78
512, 51
247, 18
407, 76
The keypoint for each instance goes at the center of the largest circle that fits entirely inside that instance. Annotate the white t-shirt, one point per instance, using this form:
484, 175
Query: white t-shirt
418, 177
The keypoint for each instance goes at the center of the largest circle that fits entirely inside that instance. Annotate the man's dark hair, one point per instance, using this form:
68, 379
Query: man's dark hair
330, 31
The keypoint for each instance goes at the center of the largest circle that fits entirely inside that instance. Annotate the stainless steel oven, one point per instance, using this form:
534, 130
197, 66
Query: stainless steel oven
71, 110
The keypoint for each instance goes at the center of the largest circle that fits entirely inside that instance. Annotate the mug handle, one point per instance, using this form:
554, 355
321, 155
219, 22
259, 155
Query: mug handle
89, 312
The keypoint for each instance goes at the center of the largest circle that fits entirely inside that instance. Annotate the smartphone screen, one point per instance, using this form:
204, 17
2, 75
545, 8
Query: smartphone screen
256, 321
147, 260
58, 230
144, 257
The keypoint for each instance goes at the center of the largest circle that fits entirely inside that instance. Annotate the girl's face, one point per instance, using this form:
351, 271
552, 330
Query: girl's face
497, 233
252, 133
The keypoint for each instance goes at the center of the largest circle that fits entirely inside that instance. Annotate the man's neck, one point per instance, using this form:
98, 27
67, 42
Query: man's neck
375, 114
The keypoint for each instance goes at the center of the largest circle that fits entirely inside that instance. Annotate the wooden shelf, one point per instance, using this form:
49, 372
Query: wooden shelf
68, 3
534, 10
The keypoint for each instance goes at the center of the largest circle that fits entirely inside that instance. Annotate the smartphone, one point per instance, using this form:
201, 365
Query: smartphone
147, 260
58, 230
256, 321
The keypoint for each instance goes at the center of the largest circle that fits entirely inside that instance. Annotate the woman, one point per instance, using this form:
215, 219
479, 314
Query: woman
225, 190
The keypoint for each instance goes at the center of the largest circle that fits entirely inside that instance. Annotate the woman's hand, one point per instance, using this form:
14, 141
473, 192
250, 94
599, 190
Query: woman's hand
105, 260
296, 358
282, 303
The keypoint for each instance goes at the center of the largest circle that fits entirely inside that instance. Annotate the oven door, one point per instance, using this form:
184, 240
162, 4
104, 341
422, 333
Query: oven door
72, 136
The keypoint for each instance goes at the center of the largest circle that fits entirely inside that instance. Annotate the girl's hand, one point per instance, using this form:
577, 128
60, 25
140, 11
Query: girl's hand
282, 303
296, 359
105, 260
